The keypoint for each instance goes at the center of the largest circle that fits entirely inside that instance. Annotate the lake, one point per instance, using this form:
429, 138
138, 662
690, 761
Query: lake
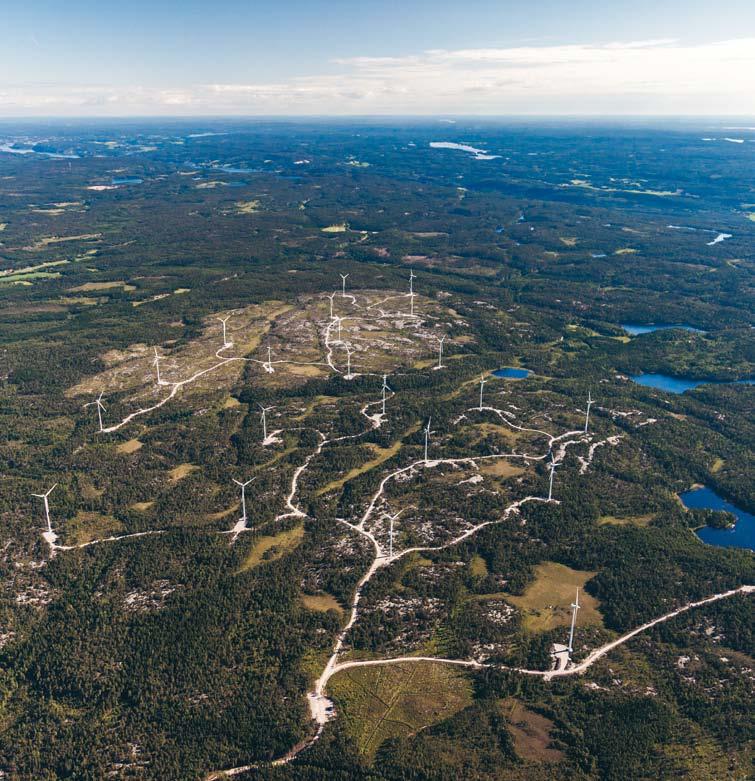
679, 384
743, 533
635, 329
511, 373
15, 150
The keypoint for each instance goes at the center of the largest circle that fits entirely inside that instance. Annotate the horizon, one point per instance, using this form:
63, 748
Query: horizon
338, 59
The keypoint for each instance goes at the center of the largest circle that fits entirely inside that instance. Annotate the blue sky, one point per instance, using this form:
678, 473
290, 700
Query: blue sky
366, 56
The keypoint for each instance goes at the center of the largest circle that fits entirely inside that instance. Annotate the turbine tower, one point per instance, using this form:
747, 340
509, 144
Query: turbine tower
589, 404
440, 352
412, 277
427, 437
338, 321
263, 416
343, 284
47, 506
243, 496
331, 297
269, 366
224, 320
384, 389
553, 472
482, 384
156, 362
390, 537
411, 304
575, 607
349, 375
100, 407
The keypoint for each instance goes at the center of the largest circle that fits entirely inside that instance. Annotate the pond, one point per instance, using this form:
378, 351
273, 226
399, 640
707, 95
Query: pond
742, 535
635, 329
680, 384
511, 373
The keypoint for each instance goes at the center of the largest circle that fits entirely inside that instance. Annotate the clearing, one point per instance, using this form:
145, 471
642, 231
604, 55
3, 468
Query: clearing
531, 732
626, 520
129, 447
379, 703
181, 471
89, 286
88, 526
547, 601
321, 602
272, 547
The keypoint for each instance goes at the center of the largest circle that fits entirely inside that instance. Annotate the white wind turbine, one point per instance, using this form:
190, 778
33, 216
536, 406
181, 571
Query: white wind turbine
440, 352
575, 607
553, 466
47, 506
348, 375
590, 402
384, 389
263, 417
331, 297
156, 362
224, 320
412, 277
390, 536
343, 284
100, 407
427, 437
269, 366
411, 304
482, 385
243, 498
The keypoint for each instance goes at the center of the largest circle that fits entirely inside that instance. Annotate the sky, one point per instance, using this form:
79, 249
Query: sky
371, 57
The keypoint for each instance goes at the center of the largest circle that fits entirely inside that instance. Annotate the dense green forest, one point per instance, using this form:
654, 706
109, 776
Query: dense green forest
182, 648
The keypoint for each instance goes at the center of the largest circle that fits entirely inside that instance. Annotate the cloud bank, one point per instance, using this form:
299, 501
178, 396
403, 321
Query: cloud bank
657, 77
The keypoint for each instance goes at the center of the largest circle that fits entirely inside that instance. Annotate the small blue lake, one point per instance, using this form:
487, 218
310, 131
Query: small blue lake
511, 373
679, 384
743, 533
126, 180
635, 330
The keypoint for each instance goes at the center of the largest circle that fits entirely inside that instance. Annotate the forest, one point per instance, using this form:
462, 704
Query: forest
153, 643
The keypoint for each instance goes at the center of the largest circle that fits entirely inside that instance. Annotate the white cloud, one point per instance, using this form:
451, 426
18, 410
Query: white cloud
635, 77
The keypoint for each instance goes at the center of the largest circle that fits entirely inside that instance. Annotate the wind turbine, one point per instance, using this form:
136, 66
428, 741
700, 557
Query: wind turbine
331, 297
224, 320
411, 304
412, 277
575, 608
482, 384
157, 366
338, 321
440, 352
265, 410
343, 284
100, 407
589, 404
243, 496
349, 375
269, 366
427, 437
47, 505
384, 389
553, 472
390, 538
